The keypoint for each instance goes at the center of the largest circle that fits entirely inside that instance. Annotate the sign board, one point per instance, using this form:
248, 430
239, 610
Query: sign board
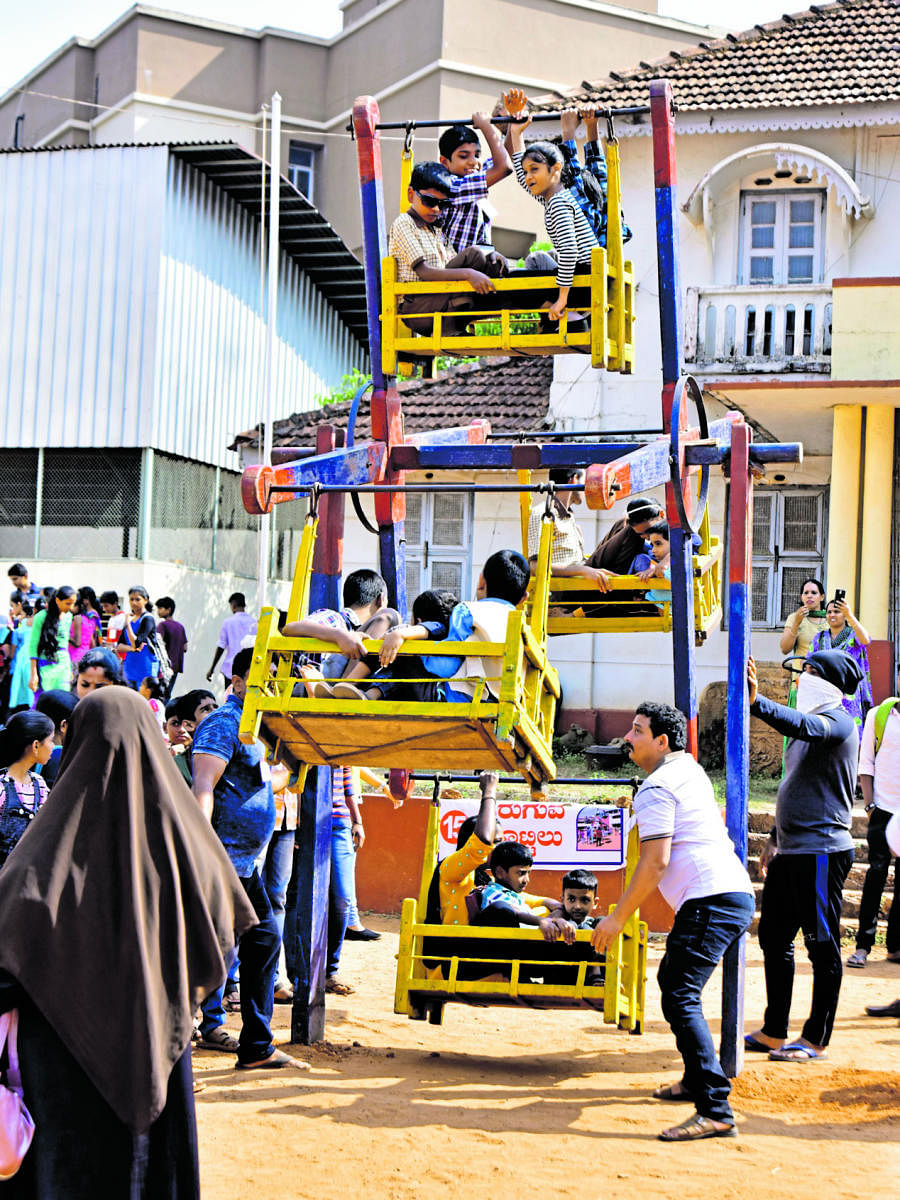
560, 836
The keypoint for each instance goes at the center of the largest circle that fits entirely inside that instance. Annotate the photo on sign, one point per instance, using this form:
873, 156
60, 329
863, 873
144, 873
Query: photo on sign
599, 829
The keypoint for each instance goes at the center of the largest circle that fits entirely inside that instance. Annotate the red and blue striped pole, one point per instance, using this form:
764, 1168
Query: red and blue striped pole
671, 337
387, 421
737, 723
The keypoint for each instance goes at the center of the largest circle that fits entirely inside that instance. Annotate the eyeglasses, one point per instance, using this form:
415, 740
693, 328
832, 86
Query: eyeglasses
431, 201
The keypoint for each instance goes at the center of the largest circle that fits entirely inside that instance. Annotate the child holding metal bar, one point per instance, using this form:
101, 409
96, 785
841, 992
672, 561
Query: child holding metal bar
466, 222
587, 184
539, 170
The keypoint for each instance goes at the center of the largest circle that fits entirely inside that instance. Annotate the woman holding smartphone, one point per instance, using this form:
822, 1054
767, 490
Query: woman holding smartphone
845, 633
802, 627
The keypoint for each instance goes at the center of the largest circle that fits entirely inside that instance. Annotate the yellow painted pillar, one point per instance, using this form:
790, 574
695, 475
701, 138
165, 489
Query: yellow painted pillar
843, 502
874, 571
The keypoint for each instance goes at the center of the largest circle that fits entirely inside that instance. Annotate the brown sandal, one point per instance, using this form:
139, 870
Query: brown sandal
695, 1129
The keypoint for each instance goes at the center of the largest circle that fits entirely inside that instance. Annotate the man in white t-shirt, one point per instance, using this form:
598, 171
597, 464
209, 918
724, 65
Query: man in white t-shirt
687, 854
231, 637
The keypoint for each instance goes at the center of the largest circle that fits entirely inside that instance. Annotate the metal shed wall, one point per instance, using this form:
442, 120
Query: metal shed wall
79, 261
130, 308
211, 336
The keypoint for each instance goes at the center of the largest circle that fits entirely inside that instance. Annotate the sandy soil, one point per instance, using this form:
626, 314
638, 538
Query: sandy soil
506, 1102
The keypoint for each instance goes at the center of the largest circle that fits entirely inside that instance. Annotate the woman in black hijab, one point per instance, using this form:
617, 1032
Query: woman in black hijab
116, 916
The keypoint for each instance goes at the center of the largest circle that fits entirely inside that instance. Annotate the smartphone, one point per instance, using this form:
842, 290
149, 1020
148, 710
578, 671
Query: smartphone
840, 594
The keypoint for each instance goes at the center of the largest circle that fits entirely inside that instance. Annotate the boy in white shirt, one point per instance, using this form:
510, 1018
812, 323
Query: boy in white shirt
687, 854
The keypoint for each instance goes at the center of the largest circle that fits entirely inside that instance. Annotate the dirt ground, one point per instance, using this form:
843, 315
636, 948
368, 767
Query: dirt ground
507, 1102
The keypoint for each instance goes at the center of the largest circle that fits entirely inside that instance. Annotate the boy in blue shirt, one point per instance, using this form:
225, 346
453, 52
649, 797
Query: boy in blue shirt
233, 785
502, 587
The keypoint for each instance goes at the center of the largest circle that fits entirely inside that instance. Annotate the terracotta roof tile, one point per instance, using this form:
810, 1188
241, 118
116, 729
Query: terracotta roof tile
846, 52
512, 393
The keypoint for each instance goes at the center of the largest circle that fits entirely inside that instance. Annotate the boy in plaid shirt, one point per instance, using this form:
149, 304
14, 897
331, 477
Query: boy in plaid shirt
466, 223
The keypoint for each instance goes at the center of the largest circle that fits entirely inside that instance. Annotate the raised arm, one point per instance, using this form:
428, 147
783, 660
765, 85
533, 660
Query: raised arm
515, 102
501, 163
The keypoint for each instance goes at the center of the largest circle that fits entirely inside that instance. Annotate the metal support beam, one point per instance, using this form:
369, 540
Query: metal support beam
671, 337
348, 466
325, 580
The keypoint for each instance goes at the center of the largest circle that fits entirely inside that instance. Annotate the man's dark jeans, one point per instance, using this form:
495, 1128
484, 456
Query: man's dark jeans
876, 877
703, 930
803, 891
258, 950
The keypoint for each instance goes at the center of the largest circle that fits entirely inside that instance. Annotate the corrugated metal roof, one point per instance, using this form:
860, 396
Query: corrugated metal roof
305, 235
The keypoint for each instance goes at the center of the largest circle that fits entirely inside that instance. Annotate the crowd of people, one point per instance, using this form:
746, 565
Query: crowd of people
50, 631
101, 762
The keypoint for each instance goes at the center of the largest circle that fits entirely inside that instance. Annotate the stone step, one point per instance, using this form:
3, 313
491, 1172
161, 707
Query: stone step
756, 841
855, 879
762, 820
850, 907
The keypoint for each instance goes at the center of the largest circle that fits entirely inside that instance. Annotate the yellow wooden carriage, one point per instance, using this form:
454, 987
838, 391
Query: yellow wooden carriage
510, 733
423, 989
609, 340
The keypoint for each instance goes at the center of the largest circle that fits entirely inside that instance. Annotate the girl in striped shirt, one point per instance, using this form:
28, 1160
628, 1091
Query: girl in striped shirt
539, 171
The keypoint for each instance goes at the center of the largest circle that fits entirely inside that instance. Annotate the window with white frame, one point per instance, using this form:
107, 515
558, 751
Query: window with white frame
438, 531
782, 238
302, 168
788, 547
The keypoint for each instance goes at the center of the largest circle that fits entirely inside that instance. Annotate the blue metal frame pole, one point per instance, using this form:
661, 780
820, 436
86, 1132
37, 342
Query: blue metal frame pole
671, 337
737, 725
312, 879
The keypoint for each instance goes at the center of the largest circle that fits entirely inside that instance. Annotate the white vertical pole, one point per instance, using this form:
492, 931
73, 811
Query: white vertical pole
271, 331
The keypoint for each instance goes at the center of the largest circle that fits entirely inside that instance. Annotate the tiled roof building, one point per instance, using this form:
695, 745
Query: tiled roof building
842, 53
511, 393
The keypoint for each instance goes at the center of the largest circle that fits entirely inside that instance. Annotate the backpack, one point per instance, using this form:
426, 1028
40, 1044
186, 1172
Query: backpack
881, 718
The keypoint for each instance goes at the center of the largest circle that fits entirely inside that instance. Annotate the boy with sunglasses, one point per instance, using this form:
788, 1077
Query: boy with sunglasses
422, 252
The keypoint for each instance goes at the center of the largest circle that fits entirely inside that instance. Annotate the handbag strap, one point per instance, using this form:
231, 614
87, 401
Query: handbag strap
9, 1035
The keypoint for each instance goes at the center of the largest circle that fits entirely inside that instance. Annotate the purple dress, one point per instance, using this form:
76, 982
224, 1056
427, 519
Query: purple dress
860, 702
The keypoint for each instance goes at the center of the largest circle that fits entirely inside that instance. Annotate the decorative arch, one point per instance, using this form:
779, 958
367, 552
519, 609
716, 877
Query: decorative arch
784, 155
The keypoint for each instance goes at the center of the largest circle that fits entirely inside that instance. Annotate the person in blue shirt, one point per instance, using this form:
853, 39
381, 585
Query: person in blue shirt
233, 785
502, 587
587, 184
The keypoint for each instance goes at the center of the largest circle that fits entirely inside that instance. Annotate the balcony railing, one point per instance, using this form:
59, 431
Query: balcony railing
749, 330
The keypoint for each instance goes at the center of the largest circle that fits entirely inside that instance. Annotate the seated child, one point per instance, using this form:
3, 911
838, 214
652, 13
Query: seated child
466, 223
539, 170
504, 900
431, 612
422, 252
579, 894
502, 587
655, 565
365, 614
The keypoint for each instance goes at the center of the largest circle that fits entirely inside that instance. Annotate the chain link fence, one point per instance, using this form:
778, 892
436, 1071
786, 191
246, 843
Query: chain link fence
86, 504
18, 502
